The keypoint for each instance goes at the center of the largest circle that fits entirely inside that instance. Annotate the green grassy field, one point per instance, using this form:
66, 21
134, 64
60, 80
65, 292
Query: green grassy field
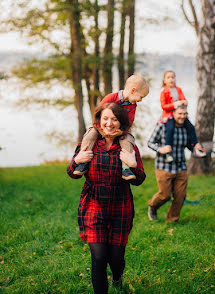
41, 252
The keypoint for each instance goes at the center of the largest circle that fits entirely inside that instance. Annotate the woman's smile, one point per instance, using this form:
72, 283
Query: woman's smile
109, 123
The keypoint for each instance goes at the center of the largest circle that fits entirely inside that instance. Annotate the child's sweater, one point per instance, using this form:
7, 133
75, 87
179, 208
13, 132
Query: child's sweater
118, 98
168, 103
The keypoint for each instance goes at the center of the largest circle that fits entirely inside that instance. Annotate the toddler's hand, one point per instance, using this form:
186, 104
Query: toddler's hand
179, 103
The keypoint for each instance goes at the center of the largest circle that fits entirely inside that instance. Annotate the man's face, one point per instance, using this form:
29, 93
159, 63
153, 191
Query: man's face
180, 115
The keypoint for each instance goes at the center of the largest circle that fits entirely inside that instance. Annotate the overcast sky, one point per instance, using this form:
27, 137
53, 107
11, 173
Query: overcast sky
21, 131
176, 36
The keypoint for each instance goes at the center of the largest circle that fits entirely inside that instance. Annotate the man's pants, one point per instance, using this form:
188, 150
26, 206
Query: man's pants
168, 184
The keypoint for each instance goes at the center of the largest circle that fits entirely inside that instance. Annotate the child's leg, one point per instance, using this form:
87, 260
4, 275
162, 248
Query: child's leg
191, 132
89, 139
170, 126
198, 151
127, 142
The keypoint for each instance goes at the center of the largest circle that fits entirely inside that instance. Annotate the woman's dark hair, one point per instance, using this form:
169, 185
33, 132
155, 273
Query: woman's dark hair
120, 113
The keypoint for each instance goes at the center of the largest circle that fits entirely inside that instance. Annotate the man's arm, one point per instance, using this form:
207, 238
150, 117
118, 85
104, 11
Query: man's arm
155, 140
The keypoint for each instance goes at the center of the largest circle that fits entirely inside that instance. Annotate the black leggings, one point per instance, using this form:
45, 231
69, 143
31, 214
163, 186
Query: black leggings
101, 255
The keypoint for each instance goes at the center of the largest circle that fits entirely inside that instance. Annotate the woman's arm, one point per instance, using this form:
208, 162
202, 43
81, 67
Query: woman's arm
72, 166
154, 142
80, 156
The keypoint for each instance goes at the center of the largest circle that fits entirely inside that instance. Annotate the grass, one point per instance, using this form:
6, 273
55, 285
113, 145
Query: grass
41, 252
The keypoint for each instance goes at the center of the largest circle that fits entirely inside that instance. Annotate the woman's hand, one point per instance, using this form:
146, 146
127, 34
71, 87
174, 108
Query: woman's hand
128, 158
84, 155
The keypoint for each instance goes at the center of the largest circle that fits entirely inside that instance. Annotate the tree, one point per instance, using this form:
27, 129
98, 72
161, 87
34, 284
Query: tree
75, 30
131, 55
121, 56
74, 59
108, 54
205, 62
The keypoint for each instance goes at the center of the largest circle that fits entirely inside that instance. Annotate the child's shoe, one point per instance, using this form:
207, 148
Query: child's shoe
81, 169
127, 174
199, 153
169, 157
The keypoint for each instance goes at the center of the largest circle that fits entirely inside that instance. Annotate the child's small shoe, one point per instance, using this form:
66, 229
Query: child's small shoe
127, 174
199, 153
81, 169
169, 157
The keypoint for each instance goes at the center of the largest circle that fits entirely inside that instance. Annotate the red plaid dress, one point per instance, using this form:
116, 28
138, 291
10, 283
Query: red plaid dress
106, 209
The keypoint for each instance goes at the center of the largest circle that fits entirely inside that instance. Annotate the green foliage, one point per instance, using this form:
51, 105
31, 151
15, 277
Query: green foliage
44, 70
41, 252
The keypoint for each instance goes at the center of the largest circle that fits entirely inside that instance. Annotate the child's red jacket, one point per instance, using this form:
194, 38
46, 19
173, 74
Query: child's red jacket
167, 102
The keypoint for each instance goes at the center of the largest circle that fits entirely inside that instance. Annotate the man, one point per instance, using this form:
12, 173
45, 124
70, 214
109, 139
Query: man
171, 177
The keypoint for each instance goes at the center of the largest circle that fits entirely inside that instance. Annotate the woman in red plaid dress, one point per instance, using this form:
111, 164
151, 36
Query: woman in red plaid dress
106, 209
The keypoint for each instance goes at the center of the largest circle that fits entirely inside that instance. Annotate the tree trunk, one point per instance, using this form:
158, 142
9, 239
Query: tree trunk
77, 64
121, 58
206, 80
108, 54
131, 55
96, 66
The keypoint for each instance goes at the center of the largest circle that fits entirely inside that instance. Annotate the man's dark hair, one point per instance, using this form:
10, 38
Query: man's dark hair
183, 106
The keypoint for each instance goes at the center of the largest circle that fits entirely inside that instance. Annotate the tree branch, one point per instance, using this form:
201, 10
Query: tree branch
195, 23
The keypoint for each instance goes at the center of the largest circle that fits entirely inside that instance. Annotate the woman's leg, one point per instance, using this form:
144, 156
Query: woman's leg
99, 256
116, 261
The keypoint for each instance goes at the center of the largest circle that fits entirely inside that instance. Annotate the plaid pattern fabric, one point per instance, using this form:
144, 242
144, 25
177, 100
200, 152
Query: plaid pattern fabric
106, 209
158, 139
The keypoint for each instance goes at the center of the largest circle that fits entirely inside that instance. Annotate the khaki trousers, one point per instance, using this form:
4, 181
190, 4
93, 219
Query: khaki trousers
168, 183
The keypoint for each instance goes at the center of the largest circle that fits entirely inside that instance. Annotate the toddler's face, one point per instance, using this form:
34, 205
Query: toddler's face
137, 96
169, 79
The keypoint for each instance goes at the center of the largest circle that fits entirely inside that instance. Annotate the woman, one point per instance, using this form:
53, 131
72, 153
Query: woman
106, 211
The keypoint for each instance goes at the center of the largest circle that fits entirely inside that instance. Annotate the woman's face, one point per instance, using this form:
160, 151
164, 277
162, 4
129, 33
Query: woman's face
108, 122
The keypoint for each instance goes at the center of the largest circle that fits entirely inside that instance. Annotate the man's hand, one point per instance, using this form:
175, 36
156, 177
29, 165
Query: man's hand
128, 158
165, 149
199, 147
84, 155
